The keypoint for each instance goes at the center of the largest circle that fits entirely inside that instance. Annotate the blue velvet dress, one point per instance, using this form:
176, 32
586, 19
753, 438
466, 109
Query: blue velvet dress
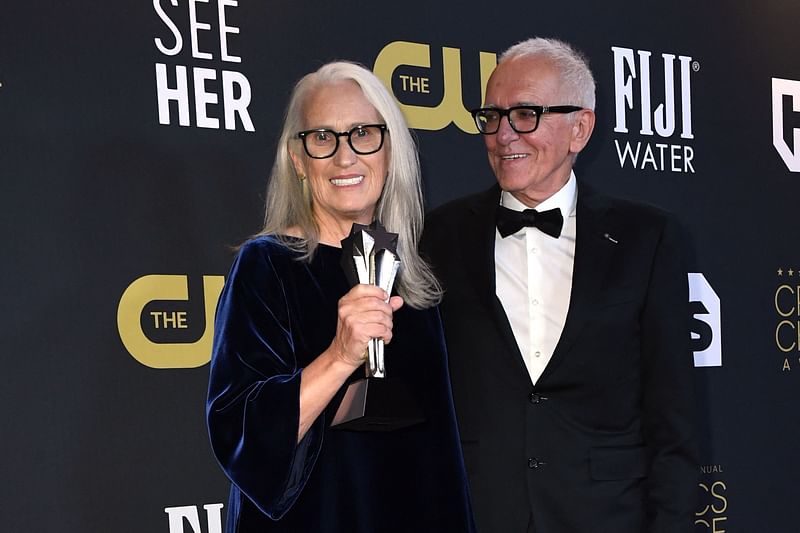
275, 315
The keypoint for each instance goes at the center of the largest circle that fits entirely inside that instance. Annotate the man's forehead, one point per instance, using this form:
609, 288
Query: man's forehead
529, 89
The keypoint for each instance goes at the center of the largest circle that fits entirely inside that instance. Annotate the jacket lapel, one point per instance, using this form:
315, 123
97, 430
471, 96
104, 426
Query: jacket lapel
594, 247
478, 254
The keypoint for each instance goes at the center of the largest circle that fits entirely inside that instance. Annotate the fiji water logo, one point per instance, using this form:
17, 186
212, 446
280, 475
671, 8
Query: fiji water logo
653, 121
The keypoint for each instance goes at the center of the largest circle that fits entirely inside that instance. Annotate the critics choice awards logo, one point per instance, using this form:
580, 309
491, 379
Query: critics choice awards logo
711, 515
787, 317
653, 109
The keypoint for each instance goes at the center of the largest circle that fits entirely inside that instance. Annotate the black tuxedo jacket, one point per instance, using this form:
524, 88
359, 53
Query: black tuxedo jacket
605, 439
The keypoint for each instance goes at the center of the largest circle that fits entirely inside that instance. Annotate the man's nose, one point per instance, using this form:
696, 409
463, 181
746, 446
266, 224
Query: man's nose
505, 133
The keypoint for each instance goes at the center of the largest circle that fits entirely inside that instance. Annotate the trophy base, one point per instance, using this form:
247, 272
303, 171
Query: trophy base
374, 404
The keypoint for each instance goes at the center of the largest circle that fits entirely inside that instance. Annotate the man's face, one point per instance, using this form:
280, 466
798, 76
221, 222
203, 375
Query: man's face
533, 166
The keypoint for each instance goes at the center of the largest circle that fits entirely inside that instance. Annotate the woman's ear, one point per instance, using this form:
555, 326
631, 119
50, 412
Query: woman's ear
297, 161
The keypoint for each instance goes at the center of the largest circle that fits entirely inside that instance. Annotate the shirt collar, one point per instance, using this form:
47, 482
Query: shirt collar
565, 199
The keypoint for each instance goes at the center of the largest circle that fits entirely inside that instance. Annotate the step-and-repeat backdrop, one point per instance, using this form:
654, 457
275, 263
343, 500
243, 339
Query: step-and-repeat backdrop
135, 140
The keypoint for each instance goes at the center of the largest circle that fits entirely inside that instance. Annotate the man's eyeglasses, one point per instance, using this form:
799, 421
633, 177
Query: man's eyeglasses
521, 118
364, 140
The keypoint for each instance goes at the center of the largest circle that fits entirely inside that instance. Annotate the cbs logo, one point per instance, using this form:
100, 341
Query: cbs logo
706, 322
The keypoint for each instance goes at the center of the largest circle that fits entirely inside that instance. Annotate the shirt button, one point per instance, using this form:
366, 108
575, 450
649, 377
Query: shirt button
537, 353
535, 301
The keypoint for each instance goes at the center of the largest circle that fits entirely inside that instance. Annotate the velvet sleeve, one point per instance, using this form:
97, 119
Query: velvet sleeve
253, 402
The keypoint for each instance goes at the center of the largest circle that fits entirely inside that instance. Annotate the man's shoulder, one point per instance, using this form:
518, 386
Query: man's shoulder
617, 206
465, 205
631, 220
450, 224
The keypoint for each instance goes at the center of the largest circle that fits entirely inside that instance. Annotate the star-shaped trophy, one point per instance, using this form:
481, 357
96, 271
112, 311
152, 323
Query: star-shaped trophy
374, 403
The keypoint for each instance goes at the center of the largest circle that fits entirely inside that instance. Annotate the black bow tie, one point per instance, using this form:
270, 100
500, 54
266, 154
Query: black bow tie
510, 221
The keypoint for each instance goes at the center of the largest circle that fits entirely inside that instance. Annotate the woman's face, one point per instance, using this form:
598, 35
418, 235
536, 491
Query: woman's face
345, 187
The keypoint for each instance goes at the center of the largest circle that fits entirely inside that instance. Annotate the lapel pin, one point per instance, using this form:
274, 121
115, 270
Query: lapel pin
610, 238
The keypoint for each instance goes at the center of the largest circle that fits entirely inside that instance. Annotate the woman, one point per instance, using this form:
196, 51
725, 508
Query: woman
290, 333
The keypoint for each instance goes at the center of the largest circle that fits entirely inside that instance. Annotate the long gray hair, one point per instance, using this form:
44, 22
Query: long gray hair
400, 207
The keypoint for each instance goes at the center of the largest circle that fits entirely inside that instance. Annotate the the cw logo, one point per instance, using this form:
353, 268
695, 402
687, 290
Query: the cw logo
451, 108
155, 306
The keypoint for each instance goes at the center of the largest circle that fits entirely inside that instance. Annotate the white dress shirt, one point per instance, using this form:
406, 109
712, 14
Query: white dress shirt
534, 278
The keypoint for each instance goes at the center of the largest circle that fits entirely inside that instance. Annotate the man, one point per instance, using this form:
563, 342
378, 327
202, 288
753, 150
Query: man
568, 342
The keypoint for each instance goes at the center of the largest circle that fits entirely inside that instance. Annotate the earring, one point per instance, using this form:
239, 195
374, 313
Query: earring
304, 187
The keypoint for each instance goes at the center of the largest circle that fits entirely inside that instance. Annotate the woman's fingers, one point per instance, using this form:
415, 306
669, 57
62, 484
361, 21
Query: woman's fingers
364, 314
396, 302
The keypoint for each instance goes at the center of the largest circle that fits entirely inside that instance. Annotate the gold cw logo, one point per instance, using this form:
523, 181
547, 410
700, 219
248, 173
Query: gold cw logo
161, 327
396, 57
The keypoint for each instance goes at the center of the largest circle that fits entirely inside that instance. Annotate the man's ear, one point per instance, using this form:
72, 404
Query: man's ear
582, 129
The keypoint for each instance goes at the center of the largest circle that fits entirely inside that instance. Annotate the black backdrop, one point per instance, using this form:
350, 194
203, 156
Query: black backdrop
118, 222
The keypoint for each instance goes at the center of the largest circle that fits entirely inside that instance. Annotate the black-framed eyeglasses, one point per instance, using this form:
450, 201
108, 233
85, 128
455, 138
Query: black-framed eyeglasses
364, 139
521, 118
